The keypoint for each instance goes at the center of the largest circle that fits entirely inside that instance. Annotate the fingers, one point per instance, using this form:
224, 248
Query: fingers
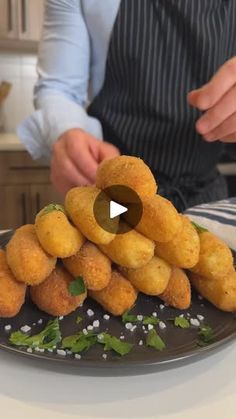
219, 113
226, 128
209, 94
231, 138
107, 151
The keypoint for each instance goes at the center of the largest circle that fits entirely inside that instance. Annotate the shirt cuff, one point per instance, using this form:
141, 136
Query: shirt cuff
39, 131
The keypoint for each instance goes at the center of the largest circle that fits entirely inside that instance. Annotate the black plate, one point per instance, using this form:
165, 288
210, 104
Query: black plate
181, 344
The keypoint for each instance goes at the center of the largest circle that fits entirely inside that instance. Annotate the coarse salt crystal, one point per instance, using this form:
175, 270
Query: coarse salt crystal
61, 317
140, 343
90, 327
7, 327
50, 350
77, 356
25, 328
39, 349
69, 352
122, 337
200, 317
143, 327
85, 332
145, 331
200, 297
139, 317
181, 315
194, 322
61, 352
90, 312
133, 328
162, 306
40, 321
154, 314
96, 323
128, 326
150, 326
30, 350
162, 325
104, 356
106, 316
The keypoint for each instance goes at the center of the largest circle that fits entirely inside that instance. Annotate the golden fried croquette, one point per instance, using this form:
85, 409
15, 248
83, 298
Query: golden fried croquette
131, 250
79, 204
183, 250
215, 259
160, 221
151, 279
127, 171
92, 265
56, 234
178, 291
26, 258
118, 297
12, 293
53, 295
221, 292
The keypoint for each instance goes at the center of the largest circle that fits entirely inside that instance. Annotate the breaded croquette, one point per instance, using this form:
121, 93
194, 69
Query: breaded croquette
92, 265
118, 297
26, 258
221, 292
160, 220
12, 293
178, 291
183, 250
79, 204
215, 260
53, 295
151, 279
131, 250
56, 234
127, 171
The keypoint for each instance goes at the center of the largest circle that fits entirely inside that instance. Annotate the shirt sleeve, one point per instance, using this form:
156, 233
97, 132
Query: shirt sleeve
60, 95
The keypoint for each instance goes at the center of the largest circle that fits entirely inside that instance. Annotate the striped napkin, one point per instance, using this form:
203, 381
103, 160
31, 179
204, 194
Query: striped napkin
218, 217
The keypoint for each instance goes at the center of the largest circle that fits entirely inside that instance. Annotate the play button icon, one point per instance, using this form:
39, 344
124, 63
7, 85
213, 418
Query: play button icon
124, 203
116, 209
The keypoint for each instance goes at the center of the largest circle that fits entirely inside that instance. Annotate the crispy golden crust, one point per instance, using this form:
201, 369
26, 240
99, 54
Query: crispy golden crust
56, 234
12, 293
160, 221
92, 265
183, 250
151, 279
79, 204
215, 259
117, 297
27, 259
131, 250
53, 296
127, 171
221, 292
178, 291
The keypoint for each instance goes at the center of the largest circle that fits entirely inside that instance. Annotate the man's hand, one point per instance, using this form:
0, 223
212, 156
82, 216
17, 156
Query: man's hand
218, 99
75, 158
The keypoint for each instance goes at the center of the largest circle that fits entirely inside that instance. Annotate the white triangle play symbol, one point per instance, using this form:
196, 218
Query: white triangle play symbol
116, 209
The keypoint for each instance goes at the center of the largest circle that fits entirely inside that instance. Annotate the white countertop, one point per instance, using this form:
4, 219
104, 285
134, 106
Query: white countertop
10, 142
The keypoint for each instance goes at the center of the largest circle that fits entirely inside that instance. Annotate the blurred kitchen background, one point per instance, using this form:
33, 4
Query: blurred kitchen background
24, 184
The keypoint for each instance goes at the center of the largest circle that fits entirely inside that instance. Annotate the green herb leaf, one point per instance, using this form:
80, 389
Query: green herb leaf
199, 228
53, 207
78, 319
77, 287
154, 340
46, 339
181, 322
129, 318
150, 320
205, 335
80, 342
111, 342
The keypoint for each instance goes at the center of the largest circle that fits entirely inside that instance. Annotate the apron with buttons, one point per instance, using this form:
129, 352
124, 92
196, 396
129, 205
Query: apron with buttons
159, 51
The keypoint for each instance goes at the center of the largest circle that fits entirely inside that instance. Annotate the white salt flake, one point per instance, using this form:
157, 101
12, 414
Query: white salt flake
128, 326
150, 326
162, 325
61, 352
90, 312
61, 317
85, 332
195, 322
122, 337
182, 316
25, 328
139, 317
30, 350
90, 327
106, 316
104, 356
34, 324
200, 297
40, 321
7, 327
162, 306
133, 328
140, 343
50, 350
69, 352
154, 314
96, 323
143, 327
200, 317
145, 331
37, 349
77, 356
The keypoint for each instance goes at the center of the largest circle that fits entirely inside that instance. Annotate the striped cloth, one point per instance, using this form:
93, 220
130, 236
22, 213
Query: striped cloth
218, 217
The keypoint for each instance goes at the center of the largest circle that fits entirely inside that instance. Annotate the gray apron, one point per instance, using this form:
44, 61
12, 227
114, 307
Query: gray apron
159, 51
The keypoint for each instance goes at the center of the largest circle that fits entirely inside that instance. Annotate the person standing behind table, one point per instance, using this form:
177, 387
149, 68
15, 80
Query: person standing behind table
139, 59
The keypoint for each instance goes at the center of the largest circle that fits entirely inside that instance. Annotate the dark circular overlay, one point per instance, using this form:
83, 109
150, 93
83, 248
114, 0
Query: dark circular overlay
124, 196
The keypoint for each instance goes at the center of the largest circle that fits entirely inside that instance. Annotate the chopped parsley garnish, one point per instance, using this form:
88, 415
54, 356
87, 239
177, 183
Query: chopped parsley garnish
181, 322
115, 344
150, 320
129, 318
199, 228
53, 207
79, 342
154, 340
78, 319
46, 339
77, 287
205, 335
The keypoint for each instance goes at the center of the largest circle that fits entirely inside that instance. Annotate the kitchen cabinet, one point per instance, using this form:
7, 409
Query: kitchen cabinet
25, 188
21, 20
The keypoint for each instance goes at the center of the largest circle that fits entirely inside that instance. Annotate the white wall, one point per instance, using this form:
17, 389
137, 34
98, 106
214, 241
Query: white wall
20, 71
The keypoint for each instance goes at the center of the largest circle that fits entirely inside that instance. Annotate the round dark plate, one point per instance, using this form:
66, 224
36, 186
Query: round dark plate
181, 344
